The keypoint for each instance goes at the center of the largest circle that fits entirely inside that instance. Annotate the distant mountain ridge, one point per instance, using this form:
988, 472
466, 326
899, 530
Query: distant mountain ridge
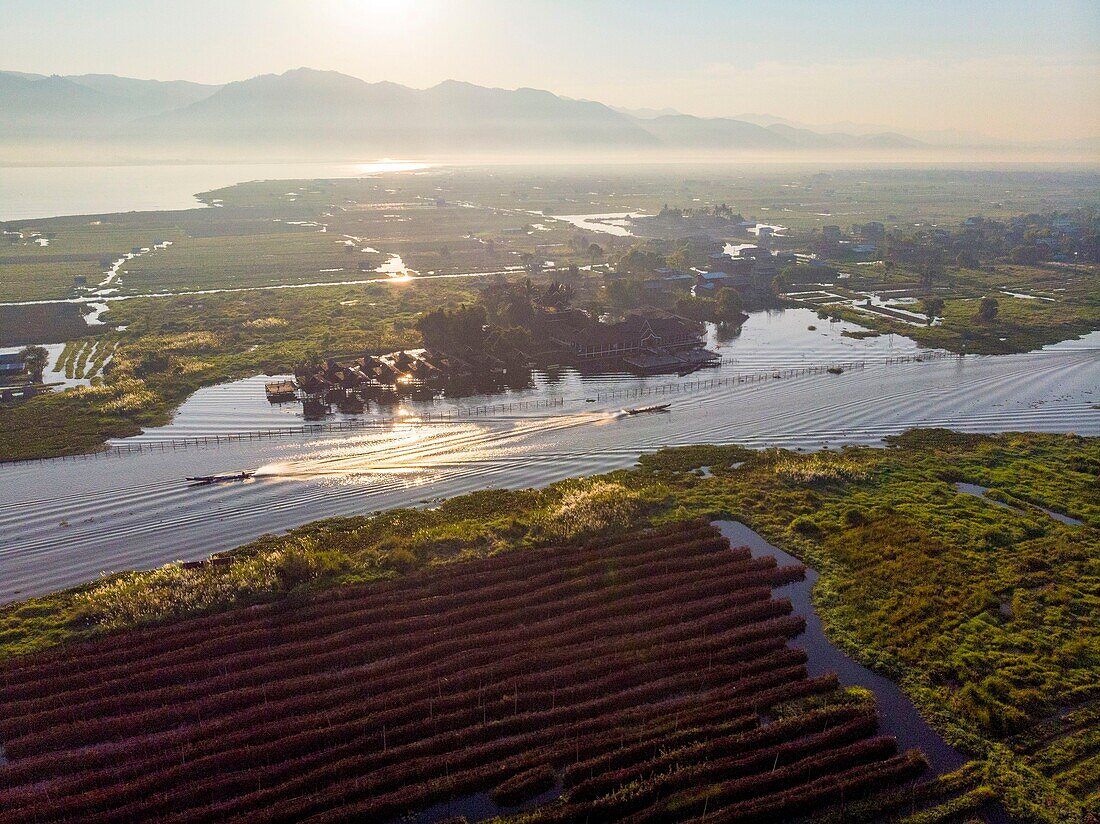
305, 112
329, 110
37, 106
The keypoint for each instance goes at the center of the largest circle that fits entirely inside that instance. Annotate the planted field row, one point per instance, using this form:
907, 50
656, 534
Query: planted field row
635, 673
424, 597
317, 651
90, 730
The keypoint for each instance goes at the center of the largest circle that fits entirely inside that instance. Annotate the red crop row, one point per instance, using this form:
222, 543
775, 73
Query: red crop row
830, 789
117, 763
582, 688
514, 754
670, 602
62, 706
524, 785
466, 745
378, 767
674, 773
579, 777
145, 644
484, 607
426, 607
370, 646
406, 797
269, 741
213, 736
641, 661
694, 800
485, 670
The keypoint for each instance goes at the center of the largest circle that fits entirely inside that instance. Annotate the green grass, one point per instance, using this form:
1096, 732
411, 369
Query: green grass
79, 247
1021, 324
31, 280
243, 261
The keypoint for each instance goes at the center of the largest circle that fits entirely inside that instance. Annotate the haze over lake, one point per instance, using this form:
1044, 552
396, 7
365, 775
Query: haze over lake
28, 192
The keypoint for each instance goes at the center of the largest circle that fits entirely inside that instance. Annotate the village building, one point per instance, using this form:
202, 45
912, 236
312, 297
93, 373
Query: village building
710, 282
587, 340
11, 366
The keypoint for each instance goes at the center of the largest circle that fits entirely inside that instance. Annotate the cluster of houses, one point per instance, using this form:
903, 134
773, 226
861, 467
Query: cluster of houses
750, 269
864, 241
420, 374
646, 341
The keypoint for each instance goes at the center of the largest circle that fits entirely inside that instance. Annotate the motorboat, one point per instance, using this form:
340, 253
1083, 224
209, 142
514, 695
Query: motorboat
641, 410
204, 480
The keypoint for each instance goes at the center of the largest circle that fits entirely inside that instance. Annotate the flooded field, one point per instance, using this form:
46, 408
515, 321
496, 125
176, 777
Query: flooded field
65, 521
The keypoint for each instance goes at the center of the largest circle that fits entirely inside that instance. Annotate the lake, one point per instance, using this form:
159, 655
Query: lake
63, 522
28, 192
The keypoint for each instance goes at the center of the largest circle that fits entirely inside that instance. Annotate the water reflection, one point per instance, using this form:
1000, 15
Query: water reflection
62, 522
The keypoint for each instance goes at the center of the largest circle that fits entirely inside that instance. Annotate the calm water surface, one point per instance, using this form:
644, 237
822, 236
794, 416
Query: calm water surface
45, 191
897, 714
63, 522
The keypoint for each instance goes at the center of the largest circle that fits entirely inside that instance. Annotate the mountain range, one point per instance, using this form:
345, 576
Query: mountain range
309, 113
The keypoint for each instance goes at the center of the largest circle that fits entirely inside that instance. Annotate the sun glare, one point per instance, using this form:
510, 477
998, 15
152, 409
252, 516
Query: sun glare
380, 12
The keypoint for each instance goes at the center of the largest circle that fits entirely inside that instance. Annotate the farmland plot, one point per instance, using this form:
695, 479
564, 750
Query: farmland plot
644, 678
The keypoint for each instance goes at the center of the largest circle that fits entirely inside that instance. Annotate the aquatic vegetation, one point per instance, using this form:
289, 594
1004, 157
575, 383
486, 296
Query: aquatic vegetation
129, 397
592, 508
133, 598
818, 468
267, 323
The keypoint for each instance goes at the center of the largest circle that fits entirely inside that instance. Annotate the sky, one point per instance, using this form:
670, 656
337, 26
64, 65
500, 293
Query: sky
1008, 69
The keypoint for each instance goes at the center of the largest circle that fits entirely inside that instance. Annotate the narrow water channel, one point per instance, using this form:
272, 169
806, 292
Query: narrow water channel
897, 714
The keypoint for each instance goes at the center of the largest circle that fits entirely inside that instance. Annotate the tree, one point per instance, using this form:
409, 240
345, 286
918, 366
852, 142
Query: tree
639, 262
595, 252
35, 359
933, 307
1028, 255
930, 266
987, 309
679, 259
700, 309
965, 260
728, 306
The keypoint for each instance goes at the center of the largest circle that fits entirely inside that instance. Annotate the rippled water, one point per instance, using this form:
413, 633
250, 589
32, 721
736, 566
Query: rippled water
63, 522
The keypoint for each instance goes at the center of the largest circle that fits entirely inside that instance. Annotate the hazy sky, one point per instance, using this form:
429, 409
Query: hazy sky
1010, 69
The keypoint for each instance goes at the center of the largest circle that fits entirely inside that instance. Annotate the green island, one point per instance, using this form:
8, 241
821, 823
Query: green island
978, 605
